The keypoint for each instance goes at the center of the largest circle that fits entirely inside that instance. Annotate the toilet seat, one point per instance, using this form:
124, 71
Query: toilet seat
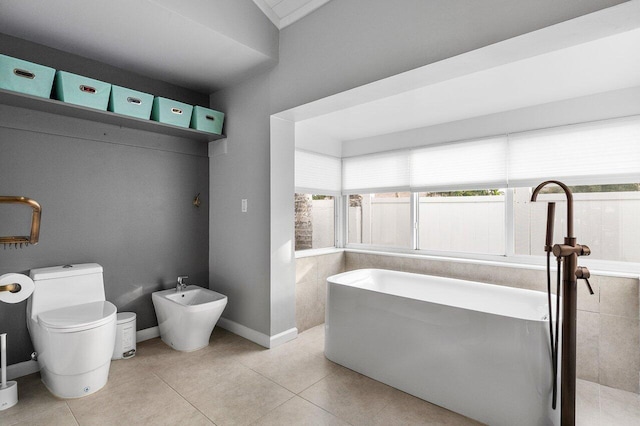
72, 319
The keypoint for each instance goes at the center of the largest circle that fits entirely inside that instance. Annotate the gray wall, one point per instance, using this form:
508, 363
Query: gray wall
111, 195
239, 267
342, 45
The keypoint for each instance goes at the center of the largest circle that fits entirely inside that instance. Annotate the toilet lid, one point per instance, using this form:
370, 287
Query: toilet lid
78, 317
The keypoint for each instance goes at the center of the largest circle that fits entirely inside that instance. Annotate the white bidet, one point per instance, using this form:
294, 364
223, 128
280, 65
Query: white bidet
186, 318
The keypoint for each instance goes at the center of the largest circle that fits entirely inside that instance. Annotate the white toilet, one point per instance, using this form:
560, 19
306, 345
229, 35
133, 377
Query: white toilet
72, 328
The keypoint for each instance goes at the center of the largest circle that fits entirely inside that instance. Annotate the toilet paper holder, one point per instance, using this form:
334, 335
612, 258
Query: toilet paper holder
11, 288
35, 222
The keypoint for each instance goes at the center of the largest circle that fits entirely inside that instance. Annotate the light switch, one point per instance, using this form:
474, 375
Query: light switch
244, 205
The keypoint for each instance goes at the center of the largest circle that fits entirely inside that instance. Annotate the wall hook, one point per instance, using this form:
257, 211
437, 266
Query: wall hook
196, 201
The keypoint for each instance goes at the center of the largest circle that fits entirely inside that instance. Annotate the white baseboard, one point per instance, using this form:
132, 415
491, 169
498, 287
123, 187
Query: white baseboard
147, 333
284, 337
255, 336
22, 369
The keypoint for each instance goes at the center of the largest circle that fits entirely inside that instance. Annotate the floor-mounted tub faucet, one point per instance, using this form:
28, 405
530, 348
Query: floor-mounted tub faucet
566, 253
181, 285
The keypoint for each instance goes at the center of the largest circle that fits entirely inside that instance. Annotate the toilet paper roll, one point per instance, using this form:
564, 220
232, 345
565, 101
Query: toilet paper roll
25, 291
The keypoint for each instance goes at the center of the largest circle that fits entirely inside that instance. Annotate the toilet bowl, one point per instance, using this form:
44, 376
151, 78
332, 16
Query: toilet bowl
72, 328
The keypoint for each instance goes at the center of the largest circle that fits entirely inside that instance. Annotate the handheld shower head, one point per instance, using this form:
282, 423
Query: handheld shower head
551, 211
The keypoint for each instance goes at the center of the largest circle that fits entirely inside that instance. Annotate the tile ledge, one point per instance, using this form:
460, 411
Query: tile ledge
516, 263
317, 252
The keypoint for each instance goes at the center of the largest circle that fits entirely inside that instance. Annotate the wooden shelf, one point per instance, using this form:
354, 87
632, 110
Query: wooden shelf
61, 108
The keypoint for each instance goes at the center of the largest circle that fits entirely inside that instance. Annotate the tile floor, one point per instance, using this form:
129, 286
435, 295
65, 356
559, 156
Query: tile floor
235, 382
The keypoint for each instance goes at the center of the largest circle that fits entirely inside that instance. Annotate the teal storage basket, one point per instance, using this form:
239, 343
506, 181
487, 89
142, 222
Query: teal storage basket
130, 102
173, 112
79, 90
25, 77
207, 120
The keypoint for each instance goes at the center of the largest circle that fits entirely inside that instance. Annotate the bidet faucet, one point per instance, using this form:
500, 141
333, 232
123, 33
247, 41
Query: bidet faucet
181, 285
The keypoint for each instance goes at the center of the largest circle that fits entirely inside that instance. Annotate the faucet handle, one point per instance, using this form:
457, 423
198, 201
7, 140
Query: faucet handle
181, 279
582, 273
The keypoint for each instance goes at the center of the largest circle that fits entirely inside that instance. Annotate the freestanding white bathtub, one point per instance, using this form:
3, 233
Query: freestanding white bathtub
480, 350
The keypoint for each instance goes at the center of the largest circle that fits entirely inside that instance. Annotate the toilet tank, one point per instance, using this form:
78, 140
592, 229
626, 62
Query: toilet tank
62, 286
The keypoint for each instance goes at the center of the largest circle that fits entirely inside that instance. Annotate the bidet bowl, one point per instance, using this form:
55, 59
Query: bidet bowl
187, 318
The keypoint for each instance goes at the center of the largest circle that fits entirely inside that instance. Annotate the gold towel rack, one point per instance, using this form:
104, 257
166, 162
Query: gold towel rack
35, 220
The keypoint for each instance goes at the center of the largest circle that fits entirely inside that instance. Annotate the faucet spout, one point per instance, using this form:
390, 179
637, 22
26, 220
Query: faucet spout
569, 196
181, 284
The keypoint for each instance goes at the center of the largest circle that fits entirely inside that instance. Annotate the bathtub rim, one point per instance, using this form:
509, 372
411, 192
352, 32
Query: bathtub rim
333, 279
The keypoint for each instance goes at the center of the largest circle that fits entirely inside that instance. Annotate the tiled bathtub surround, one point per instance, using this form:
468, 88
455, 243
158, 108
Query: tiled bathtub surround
608, 322
311, 288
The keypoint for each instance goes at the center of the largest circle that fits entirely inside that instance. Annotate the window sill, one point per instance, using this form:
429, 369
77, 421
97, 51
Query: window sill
317, 252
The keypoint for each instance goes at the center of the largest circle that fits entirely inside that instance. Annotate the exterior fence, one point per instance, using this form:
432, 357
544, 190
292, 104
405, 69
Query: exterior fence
609, 223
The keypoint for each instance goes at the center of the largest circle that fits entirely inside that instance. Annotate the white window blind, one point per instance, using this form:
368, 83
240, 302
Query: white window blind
477, 164
384, 172
598, 152
317, 174
591, 153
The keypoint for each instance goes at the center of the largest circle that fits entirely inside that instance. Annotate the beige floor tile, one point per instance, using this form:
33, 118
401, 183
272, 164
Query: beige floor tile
197, 374
298, 411
240, 401
350, 396
148, 401
312, 340
404, 409
59, 416
618, 407
125, 370
297, 371
163, 386
155, 354
33, 398
254, 358
221, 337
587, 403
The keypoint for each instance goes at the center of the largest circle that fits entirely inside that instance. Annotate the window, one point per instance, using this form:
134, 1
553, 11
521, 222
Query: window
382, 219
314, 221
605, 219
470, 221
317, 183
433, 197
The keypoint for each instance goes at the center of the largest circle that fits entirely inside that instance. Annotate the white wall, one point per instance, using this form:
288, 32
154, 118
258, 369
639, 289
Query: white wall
344, 44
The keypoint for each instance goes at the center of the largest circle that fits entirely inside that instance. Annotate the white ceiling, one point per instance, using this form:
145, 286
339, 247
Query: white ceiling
603, 65
589, 55
286, 12
192, 44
